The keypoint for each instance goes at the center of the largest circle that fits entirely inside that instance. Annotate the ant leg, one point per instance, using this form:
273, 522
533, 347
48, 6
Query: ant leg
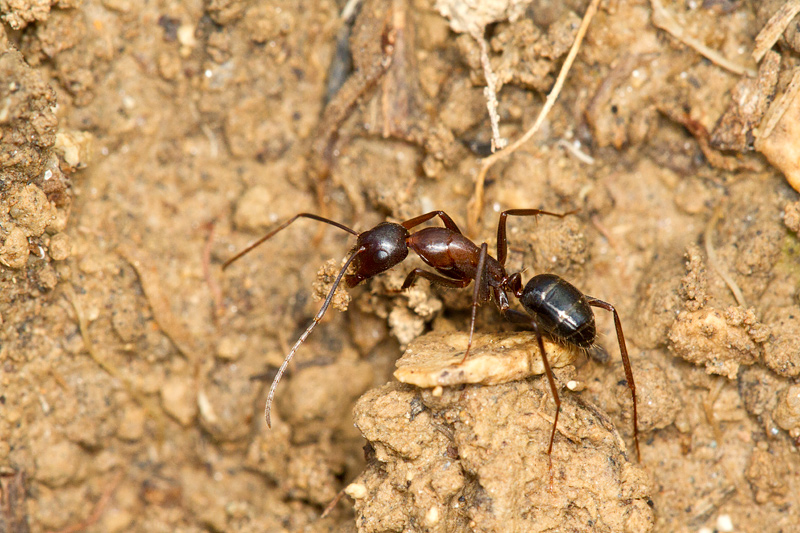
446, 220
476, 294
626, 363
433, 278
305, 334
502, 241
521, 318
283, 226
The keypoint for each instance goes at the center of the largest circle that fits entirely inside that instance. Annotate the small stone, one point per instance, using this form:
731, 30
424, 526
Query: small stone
787, 413
405, 325
186, 35
791, 216
75, 147
709, 337
14, 252
432, 517
31, 210
60, 247
230, 348
724, 523
116, 520
5, 450
48, 279
179, 399
58, 464
131, 427
326, 276
250, 213
357, 491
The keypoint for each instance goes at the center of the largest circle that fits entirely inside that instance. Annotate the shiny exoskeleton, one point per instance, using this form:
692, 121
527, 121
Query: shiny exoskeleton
560, 309
553, 305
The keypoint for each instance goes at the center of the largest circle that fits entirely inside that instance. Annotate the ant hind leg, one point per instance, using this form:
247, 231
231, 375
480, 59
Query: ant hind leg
626, 363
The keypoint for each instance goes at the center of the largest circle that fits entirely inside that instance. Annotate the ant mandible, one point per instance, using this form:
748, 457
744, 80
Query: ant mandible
553, 304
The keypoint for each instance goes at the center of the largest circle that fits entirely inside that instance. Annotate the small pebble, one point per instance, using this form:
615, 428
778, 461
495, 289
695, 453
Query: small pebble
60, 247
179, 399
724, 523
357, 491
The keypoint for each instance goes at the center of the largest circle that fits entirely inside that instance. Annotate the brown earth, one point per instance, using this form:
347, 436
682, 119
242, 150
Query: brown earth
143, 143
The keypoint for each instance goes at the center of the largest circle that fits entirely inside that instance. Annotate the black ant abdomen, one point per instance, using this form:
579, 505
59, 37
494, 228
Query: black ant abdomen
560, 309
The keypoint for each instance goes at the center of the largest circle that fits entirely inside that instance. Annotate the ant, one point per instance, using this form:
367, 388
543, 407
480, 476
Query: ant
553, 305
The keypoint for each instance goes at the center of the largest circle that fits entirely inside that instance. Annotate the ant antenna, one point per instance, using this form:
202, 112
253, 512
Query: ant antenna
317, 318
283, 226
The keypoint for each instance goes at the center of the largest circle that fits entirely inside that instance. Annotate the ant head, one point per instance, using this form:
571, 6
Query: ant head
384, 247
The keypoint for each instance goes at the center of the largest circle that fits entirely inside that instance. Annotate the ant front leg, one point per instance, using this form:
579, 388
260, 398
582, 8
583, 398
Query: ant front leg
433, 278
626, 363
309, 329
456, 284
502, 241
446, 220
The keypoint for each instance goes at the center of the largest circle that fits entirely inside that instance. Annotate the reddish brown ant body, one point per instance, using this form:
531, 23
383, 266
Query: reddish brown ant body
553, 304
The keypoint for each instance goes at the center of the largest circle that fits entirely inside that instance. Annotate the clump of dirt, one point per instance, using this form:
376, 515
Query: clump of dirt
34, 199
721, 342
476, 459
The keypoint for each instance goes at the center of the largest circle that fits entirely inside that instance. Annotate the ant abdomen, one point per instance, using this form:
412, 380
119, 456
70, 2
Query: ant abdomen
560, 309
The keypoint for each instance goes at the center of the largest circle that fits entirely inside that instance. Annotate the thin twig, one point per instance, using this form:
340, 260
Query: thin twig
349, 9
575, 151
713, 259
476, 206
159, 303
490, 92
83, 327
99, 508
662, 19
708, 406
331, 506
774, 28
776, 111
603, 230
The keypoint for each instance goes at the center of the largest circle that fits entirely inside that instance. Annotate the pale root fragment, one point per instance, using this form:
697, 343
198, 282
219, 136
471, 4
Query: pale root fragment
472, 16
433, 360
777, 137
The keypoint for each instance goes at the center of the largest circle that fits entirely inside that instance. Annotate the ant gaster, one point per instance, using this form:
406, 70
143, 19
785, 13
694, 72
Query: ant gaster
553, 305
